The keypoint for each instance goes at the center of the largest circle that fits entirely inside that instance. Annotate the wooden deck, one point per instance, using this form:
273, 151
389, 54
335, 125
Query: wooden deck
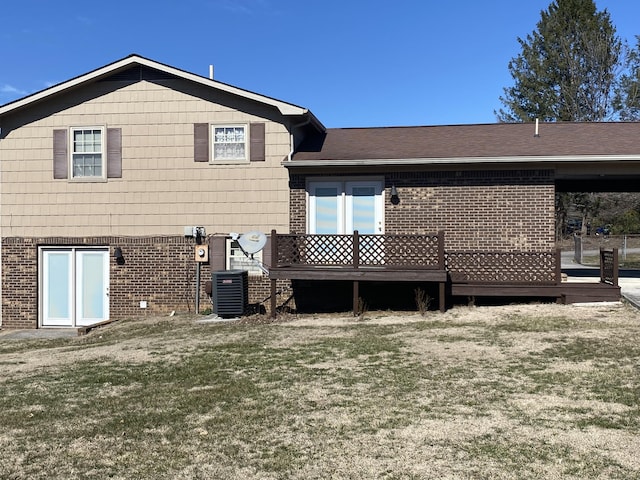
355, 258
565, 292
531, 274
422, 258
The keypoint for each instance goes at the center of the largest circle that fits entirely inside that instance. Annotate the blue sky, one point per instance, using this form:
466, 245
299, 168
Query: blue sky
353, 63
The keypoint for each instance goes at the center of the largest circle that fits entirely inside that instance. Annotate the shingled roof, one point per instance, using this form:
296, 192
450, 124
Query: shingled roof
487, 141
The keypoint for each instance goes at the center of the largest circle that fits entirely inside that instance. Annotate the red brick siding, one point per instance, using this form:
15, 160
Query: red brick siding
298, 204
478, 210
19, 283
160, 270
499, 210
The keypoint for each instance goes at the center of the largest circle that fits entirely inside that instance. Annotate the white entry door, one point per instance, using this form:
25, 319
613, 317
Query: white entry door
343, 207
74, 286
364, 205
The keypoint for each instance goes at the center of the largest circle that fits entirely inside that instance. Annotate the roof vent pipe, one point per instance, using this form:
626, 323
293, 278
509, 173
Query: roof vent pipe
210, 72
537, 134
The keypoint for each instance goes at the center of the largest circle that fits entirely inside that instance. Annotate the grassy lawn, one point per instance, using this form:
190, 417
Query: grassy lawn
531, 391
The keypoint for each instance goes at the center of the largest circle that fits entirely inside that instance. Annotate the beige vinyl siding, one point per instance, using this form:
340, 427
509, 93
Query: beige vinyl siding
162, 189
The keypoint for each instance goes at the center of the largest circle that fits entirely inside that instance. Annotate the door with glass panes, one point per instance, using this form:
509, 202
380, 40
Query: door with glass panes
74, 286
342, 207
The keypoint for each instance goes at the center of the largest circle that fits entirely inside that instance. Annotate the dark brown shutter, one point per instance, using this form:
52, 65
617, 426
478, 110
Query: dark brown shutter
114, 153
201, 142
60, 154
256, 132
266, 253
217, 253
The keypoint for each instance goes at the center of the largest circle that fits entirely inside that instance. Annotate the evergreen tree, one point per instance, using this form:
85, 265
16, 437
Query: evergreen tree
627, 98
567, 68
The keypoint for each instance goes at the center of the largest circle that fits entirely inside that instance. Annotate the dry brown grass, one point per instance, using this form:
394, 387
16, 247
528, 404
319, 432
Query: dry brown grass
527, 391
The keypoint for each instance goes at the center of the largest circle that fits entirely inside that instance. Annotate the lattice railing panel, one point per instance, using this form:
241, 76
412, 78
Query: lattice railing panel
503, 267
315, 250
405, 251
609, 266
410, 251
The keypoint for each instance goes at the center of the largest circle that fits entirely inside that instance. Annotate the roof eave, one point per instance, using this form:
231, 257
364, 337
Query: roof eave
459, 161
284, 108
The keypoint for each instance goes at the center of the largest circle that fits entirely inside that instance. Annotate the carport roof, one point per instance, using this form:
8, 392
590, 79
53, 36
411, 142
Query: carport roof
482, 143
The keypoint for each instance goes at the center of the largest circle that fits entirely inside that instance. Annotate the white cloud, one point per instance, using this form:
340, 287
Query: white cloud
11, 90
243, 7
234, 7
84, 20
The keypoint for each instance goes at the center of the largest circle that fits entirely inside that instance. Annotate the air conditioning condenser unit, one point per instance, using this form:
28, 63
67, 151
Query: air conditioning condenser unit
230, 292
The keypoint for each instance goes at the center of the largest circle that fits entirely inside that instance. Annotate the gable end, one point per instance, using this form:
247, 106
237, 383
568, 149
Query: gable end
138, 73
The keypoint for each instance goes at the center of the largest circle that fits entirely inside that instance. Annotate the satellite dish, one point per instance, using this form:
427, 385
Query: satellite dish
252, 242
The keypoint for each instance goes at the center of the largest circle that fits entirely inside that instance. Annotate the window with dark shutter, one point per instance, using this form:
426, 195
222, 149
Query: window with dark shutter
201, 142
227, 143
257, 148
114, 153
60, 154
84, 153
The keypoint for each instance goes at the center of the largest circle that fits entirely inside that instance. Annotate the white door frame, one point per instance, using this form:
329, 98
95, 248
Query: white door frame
84, 289
344, 187
378, 205
51, 263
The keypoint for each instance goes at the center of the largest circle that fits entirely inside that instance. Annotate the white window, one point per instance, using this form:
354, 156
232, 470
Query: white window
237, 260
339, 207
229, 143
87, 152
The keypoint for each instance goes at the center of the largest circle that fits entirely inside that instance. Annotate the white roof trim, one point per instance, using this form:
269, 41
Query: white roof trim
461, 160
283, 107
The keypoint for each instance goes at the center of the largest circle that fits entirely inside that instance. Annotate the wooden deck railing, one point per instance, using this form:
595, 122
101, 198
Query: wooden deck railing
409, 252
422, 258
541, 268
609, 266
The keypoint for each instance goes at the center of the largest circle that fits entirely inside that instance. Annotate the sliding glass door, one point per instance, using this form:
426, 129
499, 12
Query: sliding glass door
74, 286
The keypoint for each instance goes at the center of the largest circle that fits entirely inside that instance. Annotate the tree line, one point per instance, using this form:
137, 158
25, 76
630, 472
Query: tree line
574, 67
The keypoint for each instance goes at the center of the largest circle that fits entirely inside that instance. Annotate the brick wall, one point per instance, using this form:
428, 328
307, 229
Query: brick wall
298, 204
498, 210
19, 283
478, 210
160, 270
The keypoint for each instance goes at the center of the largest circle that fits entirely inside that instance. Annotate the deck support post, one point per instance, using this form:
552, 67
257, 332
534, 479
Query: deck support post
356, 297
356, 249
273, 298
442, 299
274, 261
558, 271
356, 264
441, 257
